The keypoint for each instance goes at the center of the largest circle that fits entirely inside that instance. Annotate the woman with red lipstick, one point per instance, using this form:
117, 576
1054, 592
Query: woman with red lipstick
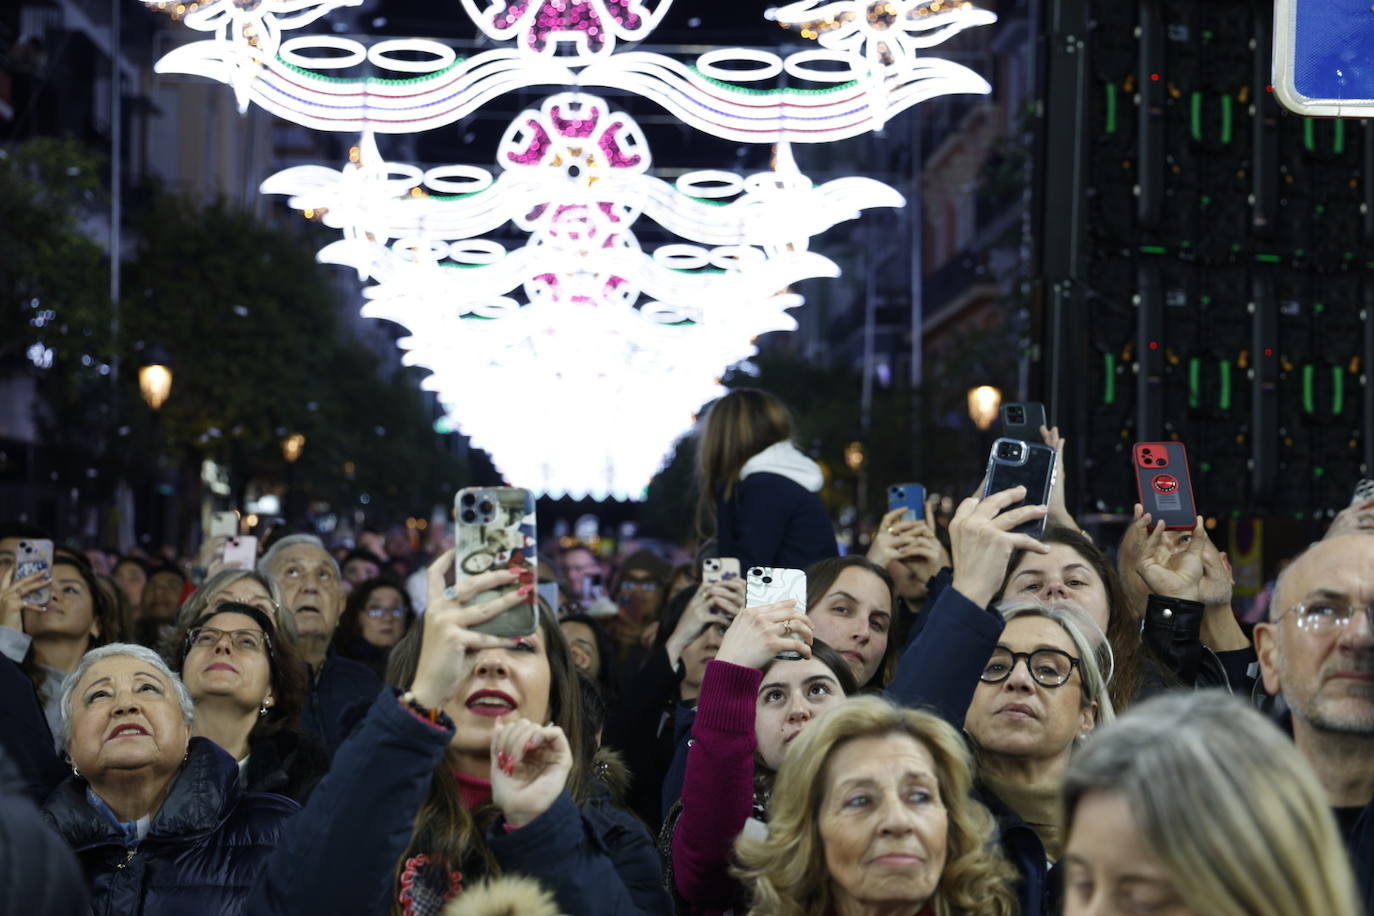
248, 683
872, 813
753, 706
511, 794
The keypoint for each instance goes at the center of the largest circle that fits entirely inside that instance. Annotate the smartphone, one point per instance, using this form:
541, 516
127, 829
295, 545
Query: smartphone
767, 584
1017, 463
719, 569
241, 552
224, 524
496, 530
593, 588
908, 496
34, 556
1165, 487
1022, 420
1363, 490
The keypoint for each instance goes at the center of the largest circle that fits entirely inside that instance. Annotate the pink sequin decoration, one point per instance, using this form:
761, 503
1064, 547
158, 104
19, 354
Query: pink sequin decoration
538, 146
512, 13
572, 127
610, 145
577, 16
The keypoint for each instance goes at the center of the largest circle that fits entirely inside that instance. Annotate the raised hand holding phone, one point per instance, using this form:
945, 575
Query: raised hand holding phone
983, 536
451, 645
762, 633
713, 605
17, 595
1173, 573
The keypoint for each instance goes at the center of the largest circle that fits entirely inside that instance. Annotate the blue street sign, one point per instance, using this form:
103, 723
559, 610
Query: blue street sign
1324, 57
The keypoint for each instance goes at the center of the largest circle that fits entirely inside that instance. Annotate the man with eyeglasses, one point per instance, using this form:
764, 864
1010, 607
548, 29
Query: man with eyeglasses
1317, 650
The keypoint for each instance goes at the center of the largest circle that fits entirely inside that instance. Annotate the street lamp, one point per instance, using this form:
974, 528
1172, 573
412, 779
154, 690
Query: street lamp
292, 446
983, 404
155, 378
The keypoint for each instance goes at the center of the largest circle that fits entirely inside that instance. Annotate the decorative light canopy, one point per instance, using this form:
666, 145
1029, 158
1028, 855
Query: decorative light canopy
578, 357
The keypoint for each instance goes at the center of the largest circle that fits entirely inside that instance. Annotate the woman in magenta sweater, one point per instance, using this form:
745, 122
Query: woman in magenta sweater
751, 707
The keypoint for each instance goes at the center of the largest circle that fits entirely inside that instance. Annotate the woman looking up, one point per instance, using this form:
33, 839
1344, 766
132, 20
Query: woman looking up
755, 489
752, 708
48, 641
248, 683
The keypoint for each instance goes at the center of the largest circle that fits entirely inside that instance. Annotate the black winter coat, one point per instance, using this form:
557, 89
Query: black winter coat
204, 850
772, 520
285, 762
340, 693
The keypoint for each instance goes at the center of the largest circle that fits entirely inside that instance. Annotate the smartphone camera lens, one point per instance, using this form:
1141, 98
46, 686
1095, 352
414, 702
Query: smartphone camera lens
755, 571
469, 516
486, 507
767, 580
469, 499
1017, 415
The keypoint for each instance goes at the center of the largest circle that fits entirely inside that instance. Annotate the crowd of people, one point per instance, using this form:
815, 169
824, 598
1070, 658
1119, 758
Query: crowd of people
961, 719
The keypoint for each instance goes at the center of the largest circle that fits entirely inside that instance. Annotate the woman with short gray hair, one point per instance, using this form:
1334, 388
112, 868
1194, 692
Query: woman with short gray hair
1194, 804
149, 803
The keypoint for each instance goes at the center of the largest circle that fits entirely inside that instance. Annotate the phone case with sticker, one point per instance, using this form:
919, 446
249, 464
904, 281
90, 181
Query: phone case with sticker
1164, 484
34, 556
719, 569
496, 530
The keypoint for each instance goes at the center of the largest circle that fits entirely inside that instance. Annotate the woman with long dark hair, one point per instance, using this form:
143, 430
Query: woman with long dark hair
756, 491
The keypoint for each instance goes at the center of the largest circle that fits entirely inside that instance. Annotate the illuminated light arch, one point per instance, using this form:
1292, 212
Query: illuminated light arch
580, 319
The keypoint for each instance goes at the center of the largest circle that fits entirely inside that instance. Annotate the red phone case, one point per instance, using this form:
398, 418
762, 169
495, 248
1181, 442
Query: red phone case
1164, 484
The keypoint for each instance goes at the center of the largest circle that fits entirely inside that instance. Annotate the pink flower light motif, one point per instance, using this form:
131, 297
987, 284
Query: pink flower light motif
575, 152
591, 27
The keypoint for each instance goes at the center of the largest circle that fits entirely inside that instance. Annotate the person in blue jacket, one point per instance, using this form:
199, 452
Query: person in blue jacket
755, 489
160, 825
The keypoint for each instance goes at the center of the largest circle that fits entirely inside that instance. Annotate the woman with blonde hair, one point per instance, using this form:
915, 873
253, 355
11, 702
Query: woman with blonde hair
1193, 804
755, 489
871, 810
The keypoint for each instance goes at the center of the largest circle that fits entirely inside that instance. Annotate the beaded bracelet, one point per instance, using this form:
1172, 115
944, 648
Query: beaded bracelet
436, 717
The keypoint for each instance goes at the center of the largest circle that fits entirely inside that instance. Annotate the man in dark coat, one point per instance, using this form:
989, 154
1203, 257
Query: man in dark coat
340, 688
1317, 650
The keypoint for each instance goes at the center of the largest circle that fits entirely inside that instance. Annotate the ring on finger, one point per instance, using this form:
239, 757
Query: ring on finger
451, 593
787, 628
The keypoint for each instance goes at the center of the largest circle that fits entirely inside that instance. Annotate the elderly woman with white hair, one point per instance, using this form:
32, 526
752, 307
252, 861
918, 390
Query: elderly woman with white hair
1025, 682
154, 814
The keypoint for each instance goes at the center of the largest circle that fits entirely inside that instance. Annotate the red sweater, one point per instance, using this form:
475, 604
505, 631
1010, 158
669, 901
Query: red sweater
717, 789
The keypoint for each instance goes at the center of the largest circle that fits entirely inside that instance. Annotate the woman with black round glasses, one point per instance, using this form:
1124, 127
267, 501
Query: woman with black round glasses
377, 615
248, 684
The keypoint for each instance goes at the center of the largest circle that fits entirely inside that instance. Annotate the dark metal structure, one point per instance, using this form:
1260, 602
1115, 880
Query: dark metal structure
1205, 260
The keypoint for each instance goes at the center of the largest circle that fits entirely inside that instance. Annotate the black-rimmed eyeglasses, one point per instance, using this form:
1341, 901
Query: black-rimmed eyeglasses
1048, 667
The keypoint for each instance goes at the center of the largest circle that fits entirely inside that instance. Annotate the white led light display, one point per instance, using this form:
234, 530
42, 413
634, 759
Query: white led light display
614, 346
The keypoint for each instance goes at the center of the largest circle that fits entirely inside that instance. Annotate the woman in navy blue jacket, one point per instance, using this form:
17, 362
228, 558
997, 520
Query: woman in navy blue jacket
756, 489
1021, 719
